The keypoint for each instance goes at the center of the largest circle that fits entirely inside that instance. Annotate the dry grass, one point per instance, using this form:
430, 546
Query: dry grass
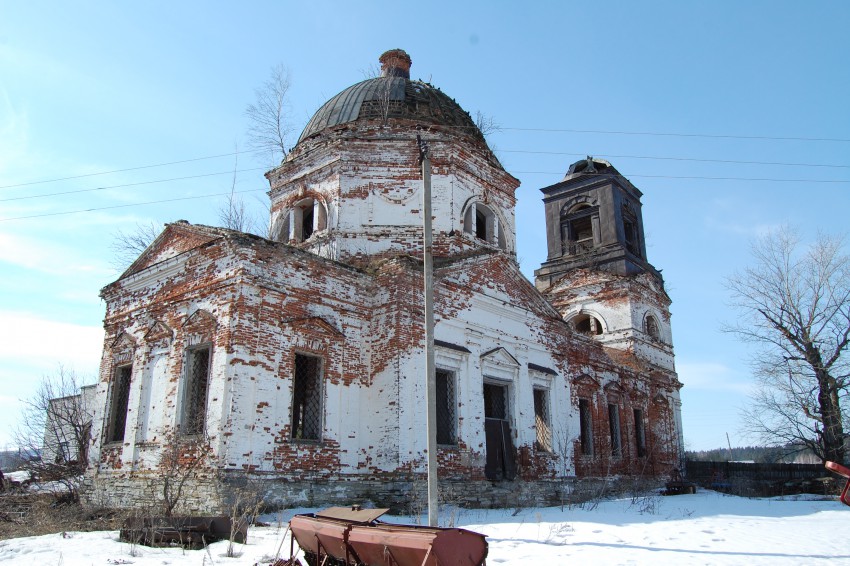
33, 515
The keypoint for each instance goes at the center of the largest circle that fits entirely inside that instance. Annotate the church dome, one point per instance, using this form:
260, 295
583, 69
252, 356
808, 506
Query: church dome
393, 95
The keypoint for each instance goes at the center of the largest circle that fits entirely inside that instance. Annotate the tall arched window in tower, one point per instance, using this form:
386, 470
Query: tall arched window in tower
299, 223
578, 230
480, 221
651, 327
631, 232
587, 324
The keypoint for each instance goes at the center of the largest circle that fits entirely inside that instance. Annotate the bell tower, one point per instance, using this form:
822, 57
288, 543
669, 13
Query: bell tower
593, 220
599, 279
596, 273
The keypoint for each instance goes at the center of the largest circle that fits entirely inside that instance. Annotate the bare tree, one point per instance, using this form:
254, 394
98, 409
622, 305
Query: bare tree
234, 214
269, 121
796, 307
486, 124
183, 459
55, 430
127, 246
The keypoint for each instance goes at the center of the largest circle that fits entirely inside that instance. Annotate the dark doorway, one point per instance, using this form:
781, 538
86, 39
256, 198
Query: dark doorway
501, 464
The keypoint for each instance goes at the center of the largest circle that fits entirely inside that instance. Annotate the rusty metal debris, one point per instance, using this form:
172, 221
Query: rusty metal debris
842, 471
188, 532
353, 537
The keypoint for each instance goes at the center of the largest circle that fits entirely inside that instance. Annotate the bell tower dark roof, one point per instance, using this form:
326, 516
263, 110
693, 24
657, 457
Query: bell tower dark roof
593, 220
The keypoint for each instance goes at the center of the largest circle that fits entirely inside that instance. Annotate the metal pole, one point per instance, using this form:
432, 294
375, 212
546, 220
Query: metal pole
430, 373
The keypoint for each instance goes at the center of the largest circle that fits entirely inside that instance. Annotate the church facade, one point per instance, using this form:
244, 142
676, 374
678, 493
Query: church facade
296, 361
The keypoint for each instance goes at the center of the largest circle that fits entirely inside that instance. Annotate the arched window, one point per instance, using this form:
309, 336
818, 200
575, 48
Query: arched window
587, 324
631, 231
651, 327
299, 223
577, 229
481, 222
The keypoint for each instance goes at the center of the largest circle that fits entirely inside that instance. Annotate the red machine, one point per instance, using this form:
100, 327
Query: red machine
841, 470
344, 536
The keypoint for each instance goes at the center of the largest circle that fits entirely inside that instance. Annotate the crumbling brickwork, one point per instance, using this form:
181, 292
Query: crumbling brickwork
296, 361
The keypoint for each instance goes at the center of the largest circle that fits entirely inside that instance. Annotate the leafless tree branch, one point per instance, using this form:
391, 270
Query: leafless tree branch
795, 305
127, 245
54, 431
269, 116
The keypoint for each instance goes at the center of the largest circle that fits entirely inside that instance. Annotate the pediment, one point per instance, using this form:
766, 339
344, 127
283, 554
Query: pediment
158, 331
498, 363
123, 342
316, 325
585, 381
614, 390
175, 239
200, 322
500, 357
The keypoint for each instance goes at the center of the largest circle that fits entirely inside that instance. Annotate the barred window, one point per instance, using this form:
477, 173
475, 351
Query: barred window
446, 402
307, 398
586, 425
118, 404
614, 425
196, 387
495, 403
640, 433
541, 420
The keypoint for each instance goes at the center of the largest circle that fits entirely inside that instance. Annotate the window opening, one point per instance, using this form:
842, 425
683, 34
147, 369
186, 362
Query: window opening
120, 401
197, 384
498, 437
541, 420
307, 221
495, 404
586, 427
640, 433
587, 324
480, 221
614, 425
577, 230
480, 224
307, 398
631, 233
446, 401
652, 327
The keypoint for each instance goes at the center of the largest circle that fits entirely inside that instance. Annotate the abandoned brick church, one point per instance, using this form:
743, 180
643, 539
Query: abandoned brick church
296, 360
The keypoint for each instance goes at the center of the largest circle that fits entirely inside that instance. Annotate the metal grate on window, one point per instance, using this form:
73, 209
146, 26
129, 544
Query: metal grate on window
446, 419
197, 383
307, 398
586, 424
495, 404
614, 422
120, 400
541, 420
640, 433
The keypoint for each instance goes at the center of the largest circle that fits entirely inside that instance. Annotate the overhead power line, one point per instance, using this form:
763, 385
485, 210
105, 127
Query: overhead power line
70, 177
43, 195
732, 161
65, 212
698, 177
675, 134
611, 132
93, 209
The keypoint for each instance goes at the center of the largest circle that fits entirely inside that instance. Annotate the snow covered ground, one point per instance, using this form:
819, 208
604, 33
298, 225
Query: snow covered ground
705, 528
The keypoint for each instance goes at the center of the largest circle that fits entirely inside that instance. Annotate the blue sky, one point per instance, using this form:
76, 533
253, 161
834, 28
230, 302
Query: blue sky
90, 87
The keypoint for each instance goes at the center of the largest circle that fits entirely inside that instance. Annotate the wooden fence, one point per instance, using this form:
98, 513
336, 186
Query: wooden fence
761, 479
